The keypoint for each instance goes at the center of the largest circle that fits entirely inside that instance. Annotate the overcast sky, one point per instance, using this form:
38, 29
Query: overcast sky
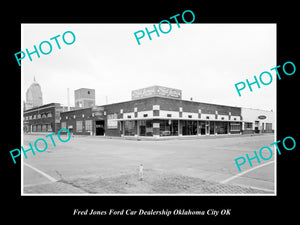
203, 60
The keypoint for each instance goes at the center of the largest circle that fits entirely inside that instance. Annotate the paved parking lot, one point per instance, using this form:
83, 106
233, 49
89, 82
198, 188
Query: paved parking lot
96, 165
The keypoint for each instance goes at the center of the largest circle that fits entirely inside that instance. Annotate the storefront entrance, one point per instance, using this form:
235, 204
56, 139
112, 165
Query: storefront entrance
256, 127
99, 127
202, 127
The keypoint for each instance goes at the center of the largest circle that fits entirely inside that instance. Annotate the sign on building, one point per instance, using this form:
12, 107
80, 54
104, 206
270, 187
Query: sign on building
158, 91
112, 121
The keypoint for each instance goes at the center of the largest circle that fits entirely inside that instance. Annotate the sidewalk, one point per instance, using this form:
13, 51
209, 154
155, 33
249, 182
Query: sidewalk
185, 137
161, 138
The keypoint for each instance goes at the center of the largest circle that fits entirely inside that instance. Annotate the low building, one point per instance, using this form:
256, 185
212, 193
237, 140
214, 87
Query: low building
44, 118
257, 121
84, 121
154, 111
161, 116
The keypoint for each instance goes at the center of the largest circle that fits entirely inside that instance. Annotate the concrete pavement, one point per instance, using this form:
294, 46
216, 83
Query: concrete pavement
209, 159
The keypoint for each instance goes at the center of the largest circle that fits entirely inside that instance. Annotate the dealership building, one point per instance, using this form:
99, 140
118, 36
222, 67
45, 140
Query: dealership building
159, 111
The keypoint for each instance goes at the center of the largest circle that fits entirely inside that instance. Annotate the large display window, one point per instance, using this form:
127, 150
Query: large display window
189, 127
145, 127
168, 128
129, 128
221, 127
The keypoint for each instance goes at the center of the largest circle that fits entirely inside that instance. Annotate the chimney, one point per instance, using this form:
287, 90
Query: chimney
68, 99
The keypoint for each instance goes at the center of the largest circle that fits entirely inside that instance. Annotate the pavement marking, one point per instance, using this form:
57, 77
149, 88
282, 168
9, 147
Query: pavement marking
246, 171
33, 185
262, 189
41, 172
258, 188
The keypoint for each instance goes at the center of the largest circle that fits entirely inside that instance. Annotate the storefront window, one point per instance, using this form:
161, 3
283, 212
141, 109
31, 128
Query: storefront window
44, 127
146, 127
235, 127
268, 126
248, 126
49, 128
88, 125
202, 127
129, 127
79, 126
189, 127
168, 128
221, 127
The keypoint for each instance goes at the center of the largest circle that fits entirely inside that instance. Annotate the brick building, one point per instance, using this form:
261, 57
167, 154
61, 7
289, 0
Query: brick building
84, 121
155, 111
44, 118
160, 116
84, 97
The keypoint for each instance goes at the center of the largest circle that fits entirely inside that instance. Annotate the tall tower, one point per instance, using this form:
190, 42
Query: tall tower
84, 97
34, 95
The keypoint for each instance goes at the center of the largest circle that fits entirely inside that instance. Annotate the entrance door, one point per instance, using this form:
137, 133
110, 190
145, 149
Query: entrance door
99, 127
142, 126
256, 127
211, 127
202, 128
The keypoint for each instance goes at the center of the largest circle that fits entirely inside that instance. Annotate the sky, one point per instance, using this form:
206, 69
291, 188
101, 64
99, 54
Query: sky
205, 61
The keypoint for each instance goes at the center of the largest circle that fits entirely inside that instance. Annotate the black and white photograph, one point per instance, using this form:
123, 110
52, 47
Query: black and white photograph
148, 113
162, 117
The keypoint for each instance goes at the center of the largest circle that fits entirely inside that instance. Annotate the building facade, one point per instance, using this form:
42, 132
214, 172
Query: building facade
154, 111
85, 121
160, 116
257, 121
44, 118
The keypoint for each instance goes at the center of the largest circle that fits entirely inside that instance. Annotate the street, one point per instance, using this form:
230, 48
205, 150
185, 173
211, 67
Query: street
204, 165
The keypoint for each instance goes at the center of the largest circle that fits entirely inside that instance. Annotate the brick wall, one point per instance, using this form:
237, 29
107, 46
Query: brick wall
190, 106
141, 104
171, 105
44, 111
82, 115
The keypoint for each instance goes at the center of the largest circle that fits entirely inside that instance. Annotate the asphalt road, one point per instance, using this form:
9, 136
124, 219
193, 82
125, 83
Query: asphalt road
210, 159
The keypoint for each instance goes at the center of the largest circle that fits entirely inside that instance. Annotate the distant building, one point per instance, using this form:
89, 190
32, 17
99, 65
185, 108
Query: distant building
84, 97
85, 121
45, 118
257, 121
34, 96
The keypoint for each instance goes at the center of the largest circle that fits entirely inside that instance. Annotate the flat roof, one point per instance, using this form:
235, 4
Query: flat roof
171, 99
43, 106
